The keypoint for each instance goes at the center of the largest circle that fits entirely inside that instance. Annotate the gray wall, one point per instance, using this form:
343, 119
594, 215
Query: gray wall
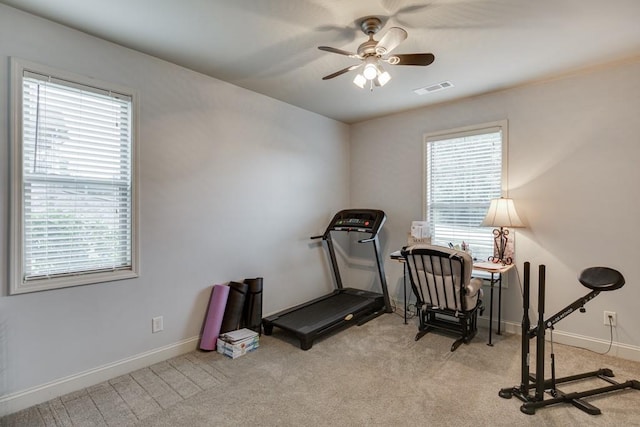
574, 151
232, 185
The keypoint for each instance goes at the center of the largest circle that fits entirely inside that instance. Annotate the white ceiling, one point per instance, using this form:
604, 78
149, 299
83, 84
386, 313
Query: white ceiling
270, 46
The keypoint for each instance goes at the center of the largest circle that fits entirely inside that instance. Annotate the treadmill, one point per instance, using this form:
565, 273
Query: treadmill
344, 306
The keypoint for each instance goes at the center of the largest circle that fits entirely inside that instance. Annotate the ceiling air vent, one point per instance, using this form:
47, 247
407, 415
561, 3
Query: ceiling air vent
433, 88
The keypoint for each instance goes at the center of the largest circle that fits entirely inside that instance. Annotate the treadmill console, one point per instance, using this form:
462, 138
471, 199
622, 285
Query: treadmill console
362, 220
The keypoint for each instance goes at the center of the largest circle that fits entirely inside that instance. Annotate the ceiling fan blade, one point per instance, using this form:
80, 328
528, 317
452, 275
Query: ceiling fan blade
391, 40
338, 51
341, 72
411, 59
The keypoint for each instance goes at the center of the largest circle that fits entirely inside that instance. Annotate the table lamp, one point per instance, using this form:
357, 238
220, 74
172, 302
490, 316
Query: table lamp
502, 213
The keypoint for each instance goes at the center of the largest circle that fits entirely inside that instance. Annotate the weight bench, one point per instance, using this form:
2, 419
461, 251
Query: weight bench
598, 279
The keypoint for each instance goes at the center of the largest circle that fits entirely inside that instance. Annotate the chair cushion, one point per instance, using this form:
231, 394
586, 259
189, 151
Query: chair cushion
436, 272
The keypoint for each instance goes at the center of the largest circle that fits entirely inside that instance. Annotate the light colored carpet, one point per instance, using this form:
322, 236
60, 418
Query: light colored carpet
372, 375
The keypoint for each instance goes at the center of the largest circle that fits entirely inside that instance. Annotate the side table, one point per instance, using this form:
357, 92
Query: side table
495, 272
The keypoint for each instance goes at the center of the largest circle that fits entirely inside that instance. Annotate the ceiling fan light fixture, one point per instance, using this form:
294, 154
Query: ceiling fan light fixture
360, 80
372, 54
370, 71
383, 78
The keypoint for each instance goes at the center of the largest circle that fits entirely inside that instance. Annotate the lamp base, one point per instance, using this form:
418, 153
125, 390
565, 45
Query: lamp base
500, 241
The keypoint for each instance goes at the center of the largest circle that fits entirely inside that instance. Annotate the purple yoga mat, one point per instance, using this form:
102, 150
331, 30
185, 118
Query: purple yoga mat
213, 321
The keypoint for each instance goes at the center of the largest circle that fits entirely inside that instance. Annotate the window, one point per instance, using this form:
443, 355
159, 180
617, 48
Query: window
463, 172
73, 180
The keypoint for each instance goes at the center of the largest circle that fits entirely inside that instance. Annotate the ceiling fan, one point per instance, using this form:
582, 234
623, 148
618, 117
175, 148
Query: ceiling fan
372, 53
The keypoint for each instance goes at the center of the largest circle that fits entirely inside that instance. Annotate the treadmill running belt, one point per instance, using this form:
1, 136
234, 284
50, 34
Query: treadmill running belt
323, 313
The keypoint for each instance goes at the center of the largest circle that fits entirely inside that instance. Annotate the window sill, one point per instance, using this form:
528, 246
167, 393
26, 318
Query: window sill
70, 281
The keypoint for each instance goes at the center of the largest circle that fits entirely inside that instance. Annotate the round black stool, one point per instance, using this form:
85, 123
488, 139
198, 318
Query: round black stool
601, 278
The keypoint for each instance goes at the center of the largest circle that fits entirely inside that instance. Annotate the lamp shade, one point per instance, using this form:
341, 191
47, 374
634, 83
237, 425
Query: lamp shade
383, 78
370, 71
360, 81
502, 213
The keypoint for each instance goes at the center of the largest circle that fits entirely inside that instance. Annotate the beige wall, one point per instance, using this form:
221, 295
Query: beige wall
574, 156
232, 185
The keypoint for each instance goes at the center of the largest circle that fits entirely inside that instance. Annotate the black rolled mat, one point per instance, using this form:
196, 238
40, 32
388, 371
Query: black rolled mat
233, 312
253, 305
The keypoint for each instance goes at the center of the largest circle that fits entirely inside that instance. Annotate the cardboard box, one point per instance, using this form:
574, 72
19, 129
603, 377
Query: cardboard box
238, 335
237, 343
237, 349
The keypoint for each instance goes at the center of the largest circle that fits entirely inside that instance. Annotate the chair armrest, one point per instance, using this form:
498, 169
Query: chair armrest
474, 286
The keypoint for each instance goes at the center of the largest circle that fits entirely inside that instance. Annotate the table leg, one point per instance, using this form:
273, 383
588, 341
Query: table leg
404, 286
499, 302
491, 312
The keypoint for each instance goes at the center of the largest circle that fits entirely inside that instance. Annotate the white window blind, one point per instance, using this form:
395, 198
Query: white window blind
463, 173
76, 181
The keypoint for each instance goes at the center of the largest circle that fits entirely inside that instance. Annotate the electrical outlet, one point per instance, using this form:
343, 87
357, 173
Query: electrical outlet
610, 318
157, 324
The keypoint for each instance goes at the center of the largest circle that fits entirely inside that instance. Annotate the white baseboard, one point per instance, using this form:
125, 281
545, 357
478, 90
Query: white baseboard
15, 402
623, 351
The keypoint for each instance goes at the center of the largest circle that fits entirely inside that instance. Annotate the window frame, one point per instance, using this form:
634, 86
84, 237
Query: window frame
478, 129
17, 283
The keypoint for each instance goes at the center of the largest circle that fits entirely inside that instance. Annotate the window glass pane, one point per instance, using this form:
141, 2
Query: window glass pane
463, 174
76, 177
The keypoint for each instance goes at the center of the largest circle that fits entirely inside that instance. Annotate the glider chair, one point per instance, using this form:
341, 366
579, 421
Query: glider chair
447, 297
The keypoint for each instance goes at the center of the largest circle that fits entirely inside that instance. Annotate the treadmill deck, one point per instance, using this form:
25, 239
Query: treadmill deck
320, 316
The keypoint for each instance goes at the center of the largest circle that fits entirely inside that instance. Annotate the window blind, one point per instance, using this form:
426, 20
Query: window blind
463, 174
76, 177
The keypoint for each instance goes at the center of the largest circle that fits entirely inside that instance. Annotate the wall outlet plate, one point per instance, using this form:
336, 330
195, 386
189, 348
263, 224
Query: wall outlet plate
610, 315
157, 324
